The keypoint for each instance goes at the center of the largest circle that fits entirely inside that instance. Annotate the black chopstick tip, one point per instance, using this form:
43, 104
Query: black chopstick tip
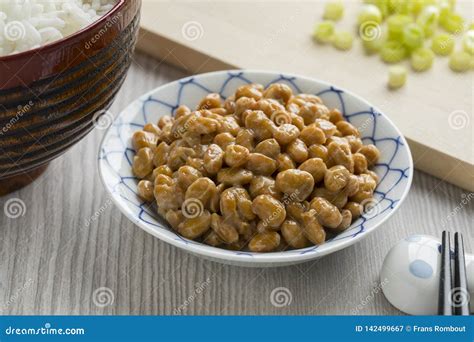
460, 294
445, 307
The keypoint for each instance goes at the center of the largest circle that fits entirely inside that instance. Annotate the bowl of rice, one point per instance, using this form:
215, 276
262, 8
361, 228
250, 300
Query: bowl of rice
61, 65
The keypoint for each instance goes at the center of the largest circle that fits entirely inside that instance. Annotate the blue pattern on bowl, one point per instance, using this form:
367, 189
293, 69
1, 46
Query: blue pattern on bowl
116, 153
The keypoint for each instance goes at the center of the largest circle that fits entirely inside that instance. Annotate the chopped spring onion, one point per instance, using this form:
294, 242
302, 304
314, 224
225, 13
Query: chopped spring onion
399, 6
443, 44
468, 42
324, 32
452, 22
334, 10
422, 59
383, 6
397, 76
369, 13
445, 8
451, 3
343, 40
400, 29
413, 36
428, 20
372, 46
392, 52
415, 7
460, 61
370, 30
396, 24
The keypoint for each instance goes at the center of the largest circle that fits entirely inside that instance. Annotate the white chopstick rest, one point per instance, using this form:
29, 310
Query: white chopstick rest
410, 274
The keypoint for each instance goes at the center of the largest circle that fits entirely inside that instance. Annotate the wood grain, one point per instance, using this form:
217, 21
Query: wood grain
434, 110
72, 241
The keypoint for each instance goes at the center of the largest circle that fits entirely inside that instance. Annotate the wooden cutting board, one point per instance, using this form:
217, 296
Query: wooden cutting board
434, 110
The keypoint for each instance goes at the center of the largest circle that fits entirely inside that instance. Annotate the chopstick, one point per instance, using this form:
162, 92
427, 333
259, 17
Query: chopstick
460, 297
445, 284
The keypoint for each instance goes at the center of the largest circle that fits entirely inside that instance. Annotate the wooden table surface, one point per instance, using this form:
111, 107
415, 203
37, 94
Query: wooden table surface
72, 252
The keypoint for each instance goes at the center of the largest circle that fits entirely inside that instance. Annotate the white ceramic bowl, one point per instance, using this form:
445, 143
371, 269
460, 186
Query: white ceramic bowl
395, 167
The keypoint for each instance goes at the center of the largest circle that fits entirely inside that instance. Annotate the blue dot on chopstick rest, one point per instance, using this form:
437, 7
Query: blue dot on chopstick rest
421, 269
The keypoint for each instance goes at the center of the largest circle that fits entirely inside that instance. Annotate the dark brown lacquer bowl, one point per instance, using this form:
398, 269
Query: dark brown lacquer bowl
51, 97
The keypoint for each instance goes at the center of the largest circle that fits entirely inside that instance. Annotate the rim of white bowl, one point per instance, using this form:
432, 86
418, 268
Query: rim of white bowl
250, 257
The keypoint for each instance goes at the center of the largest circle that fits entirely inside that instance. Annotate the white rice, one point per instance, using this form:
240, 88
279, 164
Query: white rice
28, 24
